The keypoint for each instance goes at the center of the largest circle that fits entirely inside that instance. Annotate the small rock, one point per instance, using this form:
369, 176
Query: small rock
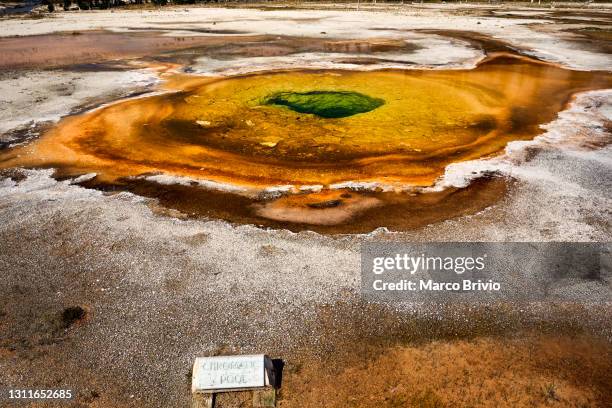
203, 123
325, 204
83, 178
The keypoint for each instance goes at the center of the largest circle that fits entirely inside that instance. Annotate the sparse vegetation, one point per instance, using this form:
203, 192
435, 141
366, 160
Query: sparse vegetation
491, 372
550, 392
427, 399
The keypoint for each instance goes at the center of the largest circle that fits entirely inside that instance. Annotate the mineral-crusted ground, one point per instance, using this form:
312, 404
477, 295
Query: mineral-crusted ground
113, 293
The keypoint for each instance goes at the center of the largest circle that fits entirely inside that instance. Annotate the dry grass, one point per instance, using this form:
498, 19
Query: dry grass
528, 372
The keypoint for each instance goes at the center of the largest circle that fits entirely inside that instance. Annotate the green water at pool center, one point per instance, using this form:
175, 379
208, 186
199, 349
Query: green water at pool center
326, 104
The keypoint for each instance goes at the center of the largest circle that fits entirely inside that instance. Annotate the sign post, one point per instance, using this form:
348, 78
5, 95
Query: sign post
217, 374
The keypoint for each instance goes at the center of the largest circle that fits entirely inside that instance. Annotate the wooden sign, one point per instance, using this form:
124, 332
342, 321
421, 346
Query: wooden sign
231, 373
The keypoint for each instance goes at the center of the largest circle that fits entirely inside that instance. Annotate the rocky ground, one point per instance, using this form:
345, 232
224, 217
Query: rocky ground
112, 295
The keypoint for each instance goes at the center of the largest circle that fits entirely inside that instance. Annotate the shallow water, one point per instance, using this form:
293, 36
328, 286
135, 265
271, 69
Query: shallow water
96, 47
227, 130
